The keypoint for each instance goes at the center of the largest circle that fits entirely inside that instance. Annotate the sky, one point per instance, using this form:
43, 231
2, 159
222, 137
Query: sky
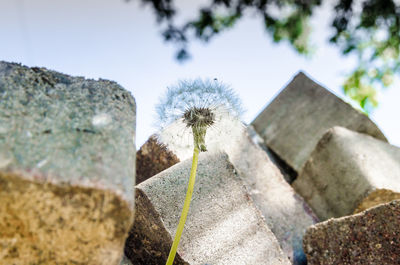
121, 41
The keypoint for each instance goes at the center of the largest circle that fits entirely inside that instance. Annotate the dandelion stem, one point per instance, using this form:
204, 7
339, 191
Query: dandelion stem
185, 209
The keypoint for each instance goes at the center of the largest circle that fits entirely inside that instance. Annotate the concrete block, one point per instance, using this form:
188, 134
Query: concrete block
152, 158
67, 159
285, 212
223, 225
370, 237
296, 119
349, 170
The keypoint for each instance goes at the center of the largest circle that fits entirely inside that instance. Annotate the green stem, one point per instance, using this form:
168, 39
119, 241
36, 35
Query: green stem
185, 209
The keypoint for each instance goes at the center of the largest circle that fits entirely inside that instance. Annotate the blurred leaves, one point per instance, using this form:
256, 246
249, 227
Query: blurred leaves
372, 33
368, 29
287, 22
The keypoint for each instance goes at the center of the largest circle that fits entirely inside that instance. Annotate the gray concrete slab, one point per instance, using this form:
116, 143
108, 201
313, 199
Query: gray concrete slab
67, 163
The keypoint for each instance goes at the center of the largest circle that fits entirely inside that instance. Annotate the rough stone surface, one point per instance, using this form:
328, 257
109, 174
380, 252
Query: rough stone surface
348, 170
152, 158
370, 237
296, 119
286, 213
376, 197
67, 160
287, 172
223, 225
125, 261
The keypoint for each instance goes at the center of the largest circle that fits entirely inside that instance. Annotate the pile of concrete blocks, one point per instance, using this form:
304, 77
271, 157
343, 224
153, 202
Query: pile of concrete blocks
344, 166
223, 226
306, 158
342, 159
310, 181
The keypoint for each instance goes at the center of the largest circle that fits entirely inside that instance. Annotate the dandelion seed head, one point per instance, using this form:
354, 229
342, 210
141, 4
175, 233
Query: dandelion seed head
198, 117
197, 93
208, 108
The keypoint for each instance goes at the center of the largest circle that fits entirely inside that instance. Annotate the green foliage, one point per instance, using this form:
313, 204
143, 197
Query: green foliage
373, 34
293, 28
359, 89
369, 29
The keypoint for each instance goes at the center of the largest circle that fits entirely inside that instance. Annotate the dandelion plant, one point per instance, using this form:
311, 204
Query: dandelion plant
196, 106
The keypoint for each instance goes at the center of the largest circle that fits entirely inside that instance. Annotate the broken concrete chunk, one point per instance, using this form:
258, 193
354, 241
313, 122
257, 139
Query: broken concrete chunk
223, 225
152, 158
348, 170
67, 160
296, 119
370, 237
286, 213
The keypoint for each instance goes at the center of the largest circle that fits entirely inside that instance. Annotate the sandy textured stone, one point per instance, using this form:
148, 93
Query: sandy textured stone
152, 158
285, 212
370, 237
376, 197
348, 170
223, 225
67, 160
296, 119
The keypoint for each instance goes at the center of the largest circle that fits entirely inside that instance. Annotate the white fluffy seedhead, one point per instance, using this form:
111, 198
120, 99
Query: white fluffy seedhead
207, 104
198, 93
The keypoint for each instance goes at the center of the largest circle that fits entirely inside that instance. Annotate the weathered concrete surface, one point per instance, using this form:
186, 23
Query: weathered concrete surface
296, 119
349, 170
67, 160
223, 225
376, 197
125, 261
152, 158
286, 213
287, 172
370, 237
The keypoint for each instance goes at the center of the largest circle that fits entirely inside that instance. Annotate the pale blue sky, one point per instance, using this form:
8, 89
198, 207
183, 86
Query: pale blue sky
120, 41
